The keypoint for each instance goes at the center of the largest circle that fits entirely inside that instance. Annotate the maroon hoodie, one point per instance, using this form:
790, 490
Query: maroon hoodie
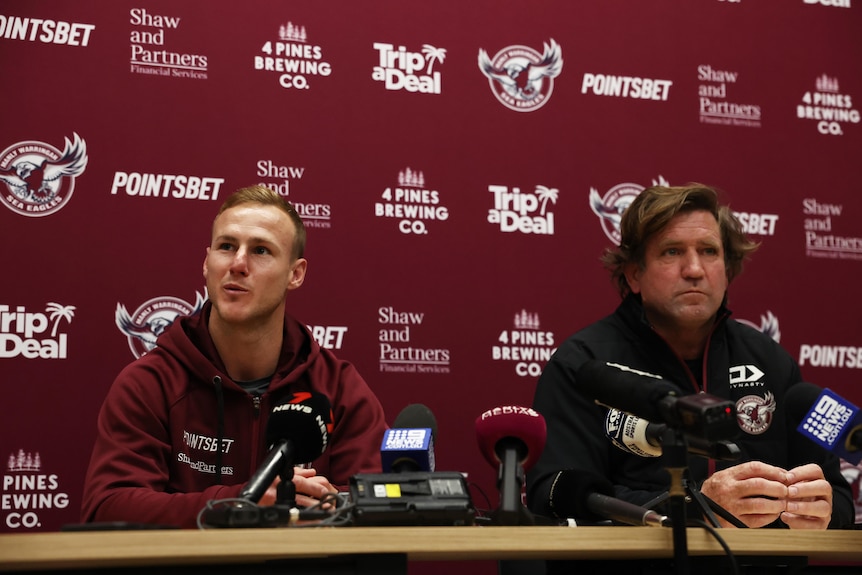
155, 458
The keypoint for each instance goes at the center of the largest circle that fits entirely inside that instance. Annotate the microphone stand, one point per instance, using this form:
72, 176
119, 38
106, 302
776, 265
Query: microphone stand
285, 492
675, 457
510, 480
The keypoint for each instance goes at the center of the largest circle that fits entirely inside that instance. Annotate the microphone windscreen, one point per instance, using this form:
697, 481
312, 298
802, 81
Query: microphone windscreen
571, 490
625, 389
511, 424
799, 400
305, 419
416, 416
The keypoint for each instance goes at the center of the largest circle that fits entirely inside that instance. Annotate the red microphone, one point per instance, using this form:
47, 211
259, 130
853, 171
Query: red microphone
511, 438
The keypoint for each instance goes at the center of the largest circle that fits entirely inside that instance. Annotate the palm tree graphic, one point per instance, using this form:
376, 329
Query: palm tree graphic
59, 312
433, 54
545, 193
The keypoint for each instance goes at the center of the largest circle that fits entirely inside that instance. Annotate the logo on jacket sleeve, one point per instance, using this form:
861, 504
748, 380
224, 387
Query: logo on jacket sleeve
754, 413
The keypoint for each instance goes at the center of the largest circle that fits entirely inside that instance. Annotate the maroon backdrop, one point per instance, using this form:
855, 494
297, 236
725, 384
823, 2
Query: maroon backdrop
454, 206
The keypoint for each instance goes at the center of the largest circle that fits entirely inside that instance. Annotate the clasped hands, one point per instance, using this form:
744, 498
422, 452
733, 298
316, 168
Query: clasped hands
311, 488
757, 494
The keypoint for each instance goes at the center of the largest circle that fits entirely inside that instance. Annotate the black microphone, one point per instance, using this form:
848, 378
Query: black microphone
298, 432
655, 399
827, 419
587, 496
409, 445
640, 437
511, 438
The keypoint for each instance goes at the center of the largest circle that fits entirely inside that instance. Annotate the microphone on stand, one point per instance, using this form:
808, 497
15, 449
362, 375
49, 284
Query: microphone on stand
298, 432
511, 438
641, 437
587, 496
655, 399
827, 419
409, 444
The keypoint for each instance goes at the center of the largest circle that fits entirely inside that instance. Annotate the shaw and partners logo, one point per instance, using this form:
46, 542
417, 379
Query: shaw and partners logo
610, 207
40, 178
526, 213
398, 350
27, 334
151, 319
148, 53
520, 77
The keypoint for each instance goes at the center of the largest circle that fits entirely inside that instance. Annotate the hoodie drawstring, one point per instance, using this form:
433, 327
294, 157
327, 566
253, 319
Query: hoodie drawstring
219, 426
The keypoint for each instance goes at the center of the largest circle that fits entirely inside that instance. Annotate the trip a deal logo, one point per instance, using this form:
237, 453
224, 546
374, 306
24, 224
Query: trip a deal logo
39, 179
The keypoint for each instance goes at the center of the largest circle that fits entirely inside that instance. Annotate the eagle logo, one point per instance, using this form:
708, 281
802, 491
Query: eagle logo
754, 413
520, 77
768, 325
40, 178
151, 319
610, 207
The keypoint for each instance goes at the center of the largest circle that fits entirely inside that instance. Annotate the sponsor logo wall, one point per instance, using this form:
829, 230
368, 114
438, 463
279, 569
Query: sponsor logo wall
459, 172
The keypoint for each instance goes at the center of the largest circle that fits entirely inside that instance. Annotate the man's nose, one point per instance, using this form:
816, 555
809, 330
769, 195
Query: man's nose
693, 266
239, 264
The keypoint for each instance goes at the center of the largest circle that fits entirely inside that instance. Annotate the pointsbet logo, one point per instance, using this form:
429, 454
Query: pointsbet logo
34, 335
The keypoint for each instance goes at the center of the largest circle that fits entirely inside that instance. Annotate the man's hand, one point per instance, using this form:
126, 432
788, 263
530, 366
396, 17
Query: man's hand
754, 492
809, 498
310, 488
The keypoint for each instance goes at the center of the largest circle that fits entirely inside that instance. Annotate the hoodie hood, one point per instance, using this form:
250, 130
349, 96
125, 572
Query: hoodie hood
188, 340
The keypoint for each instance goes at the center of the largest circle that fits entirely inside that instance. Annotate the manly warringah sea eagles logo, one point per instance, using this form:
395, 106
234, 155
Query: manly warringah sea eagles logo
768, 325
754, 413
151, 319
39, 178
520, 77
610, 207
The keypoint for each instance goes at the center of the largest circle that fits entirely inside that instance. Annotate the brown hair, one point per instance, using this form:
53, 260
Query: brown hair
267, 197
654, 208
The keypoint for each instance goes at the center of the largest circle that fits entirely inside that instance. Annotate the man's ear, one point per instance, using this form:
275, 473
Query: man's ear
632, 271
298, 274
206, 257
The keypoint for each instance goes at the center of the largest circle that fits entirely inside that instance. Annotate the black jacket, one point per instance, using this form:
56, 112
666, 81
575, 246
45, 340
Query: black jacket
761, 372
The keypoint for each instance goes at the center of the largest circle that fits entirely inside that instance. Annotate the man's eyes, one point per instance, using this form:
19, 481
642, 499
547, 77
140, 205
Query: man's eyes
259, 250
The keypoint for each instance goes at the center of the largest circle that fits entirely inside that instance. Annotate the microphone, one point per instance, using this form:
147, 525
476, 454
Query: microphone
655, 399
589, 497
409, 445
298, 432
827, 419
511, 438
641, 437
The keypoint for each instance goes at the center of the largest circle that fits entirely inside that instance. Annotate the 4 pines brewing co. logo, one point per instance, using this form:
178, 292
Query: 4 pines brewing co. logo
39, 178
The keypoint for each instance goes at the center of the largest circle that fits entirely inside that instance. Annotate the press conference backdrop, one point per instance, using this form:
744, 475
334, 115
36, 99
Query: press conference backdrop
460, 167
